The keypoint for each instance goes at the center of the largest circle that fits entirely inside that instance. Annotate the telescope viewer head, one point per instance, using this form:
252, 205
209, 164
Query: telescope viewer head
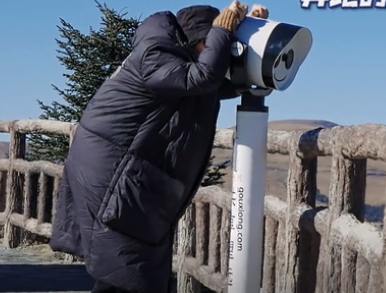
268, 54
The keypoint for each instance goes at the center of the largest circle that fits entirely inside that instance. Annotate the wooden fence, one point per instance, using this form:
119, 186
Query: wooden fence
306, 248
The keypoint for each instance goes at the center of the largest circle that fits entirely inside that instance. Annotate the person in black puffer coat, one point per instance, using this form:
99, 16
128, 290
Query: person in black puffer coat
140, 152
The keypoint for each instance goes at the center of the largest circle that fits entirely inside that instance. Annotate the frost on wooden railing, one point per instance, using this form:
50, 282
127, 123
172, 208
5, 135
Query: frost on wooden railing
31, 187
306, 249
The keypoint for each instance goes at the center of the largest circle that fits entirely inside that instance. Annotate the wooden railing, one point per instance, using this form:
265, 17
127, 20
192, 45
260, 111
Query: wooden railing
306, 248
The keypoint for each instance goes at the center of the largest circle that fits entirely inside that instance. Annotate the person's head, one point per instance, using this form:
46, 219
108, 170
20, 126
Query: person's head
196, 22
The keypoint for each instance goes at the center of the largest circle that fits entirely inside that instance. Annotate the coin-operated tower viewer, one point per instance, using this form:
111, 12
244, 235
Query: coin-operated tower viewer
266, 57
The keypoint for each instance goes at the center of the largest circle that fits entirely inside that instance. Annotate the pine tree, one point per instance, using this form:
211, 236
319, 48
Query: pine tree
88, 59
215, 174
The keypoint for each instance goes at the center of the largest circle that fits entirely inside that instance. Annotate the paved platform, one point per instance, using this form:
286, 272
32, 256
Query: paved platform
37, 269
23, 271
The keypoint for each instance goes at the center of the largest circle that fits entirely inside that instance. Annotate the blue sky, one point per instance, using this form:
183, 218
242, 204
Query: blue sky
341, 80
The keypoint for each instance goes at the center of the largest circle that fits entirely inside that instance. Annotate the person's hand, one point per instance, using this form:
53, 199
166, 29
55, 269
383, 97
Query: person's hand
240, 9
259, 11
230, 17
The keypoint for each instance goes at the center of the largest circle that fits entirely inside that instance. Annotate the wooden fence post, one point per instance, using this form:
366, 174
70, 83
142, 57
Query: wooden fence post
269, 262
362, 275
346, 195
280, 257
72, 133
214, 250
224, 241
14, 197
301, 189
186, 248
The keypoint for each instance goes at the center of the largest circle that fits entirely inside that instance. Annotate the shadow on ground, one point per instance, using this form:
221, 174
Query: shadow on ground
44, 278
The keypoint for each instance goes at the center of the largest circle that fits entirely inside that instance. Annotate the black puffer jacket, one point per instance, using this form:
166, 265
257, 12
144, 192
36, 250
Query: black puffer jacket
139, 155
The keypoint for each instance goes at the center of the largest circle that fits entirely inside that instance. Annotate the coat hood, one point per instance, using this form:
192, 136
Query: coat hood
160, 25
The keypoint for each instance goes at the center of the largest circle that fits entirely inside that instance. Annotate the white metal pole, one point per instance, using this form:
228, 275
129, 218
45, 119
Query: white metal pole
249, 176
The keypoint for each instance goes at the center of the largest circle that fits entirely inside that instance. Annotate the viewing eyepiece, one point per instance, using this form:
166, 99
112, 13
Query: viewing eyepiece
288, 59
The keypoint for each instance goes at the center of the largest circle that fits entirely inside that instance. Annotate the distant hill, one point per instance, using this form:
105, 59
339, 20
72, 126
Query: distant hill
300, 124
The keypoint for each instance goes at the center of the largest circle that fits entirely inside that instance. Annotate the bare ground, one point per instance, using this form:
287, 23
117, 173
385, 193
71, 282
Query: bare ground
37, 269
